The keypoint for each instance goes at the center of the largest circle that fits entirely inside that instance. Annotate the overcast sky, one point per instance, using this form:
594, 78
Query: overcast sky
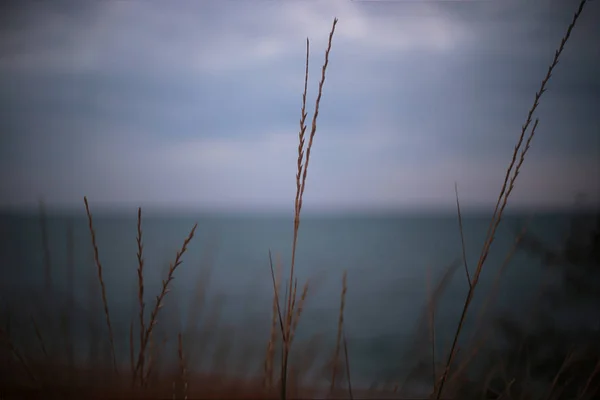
195, 104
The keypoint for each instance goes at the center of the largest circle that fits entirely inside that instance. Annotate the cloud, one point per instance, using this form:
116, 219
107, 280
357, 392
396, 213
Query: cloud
198, 105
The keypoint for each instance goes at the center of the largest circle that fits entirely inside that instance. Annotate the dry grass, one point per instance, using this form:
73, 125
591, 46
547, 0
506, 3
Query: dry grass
149, 376
102, 286
140, 274
159, 303
505, 192
291, 315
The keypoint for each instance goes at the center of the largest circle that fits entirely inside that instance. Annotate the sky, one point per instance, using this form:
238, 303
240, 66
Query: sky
195, 104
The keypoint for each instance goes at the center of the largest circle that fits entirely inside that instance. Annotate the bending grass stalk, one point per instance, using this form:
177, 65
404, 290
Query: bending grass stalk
102, 286
506, 190
495, 222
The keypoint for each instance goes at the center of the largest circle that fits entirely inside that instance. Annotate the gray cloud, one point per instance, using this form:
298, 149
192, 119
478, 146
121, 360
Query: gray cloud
197, 105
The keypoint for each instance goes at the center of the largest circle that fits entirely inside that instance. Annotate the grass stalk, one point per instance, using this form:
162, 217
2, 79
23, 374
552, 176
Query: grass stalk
159, 303
301, 174
347, 359
102, 286
140, 274
462, 236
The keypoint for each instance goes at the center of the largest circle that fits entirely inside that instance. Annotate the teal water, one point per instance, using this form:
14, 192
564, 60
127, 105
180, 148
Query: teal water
387, 259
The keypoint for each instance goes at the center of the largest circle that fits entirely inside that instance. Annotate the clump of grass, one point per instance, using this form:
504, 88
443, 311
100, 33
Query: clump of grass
505, 192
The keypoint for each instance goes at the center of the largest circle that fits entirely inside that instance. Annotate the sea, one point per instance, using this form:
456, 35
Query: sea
221, 297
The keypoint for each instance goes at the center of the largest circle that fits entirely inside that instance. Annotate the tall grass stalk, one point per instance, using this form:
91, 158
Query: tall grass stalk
288, 322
